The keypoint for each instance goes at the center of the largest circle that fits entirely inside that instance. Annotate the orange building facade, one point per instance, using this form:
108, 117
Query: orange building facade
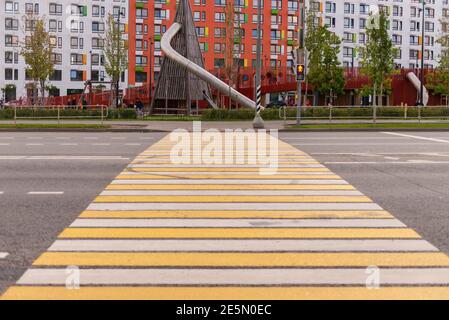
148, 20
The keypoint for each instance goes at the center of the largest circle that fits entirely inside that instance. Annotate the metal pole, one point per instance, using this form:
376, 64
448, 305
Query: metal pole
151, 71
298, 61
421, 94
117, 84
258, 121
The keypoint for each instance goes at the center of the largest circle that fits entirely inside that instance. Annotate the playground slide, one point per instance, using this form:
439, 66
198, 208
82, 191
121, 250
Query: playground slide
198, 71
210, 101
417, 84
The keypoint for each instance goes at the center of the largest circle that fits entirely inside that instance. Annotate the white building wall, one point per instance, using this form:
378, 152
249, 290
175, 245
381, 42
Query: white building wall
69, 26
402, 17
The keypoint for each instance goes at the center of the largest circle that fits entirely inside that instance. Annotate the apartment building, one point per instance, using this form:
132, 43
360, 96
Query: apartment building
349, 20
77, 30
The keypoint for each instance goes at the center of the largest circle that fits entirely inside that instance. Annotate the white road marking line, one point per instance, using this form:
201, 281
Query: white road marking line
388, 162
230, 181
383, 153
3, 255
91, 138
118, 138
338, 138
68, 144
245, 245
133, 144
362, 144
100, 144
6, 138
362, 154
1, 192
5, 144
63, 138
35, 138
241, 276
45, 192
391, 158
231, 193
34, 144
416, 137
146, 138
12, 157
75, 158
237, 223
233, 206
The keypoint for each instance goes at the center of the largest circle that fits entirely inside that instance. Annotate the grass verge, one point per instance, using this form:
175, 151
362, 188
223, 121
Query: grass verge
53, 126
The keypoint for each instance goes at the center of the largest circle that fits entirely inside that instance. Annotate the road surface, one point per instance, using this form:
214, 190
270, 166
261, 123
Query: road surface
399, 193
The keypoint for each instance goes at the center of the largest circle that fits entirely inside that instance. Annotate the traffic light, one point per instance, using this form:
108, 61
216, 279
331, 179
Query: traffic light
300, 72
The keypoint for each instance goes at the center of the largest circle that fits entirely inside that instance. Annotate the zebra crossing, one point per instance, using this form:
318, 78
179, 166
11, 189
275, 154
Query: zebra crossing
183, 231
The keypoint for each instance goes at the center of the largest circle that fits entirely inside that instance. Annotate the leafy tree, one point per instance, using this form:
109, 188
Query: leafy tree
115, 51
37, 51
325, 73
378, 55
438, 81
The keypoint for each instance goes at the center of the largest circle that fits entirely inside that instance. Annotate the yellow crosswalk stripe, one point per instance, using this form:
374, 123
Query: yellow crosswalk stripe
228, 293
237, 259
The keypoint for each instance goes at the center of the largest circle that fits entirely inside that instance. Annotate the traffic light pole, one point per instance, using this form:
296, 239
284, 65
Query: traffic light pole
298, 102
298, 62
258, 122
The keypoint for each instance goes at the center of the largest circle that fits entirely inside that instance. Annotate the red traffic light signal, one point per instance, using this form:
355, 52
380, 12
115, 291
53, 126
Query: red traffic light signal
300, 72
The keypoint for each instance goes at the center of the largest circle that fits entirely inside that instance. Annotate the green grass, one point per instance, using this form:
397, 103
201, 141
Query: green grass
53, 126
343, 126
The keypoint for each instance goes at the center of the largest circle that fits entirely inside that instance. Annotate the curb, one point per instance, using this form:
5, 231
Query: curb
78, 130
366, 130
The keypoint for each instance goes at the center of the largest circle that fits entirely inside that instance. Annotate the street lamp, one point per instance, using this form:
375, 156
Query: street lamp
258, 121
421, 93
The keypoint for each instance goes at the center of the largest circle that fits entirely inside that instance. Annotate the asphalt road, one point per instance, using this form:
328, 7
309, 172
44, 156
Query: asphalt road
407, 173
46, 180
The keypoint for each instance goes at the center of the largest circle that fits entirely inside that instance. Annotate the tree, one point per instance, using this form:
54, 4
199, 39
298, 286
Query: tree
115, 51
378, 55
325, 73
438, 81
37, 51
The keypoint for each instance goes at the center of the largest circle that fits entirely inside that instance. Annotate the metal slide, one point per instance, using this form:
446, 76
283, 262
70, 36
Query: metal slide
198, 71
210, 101
417, 84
